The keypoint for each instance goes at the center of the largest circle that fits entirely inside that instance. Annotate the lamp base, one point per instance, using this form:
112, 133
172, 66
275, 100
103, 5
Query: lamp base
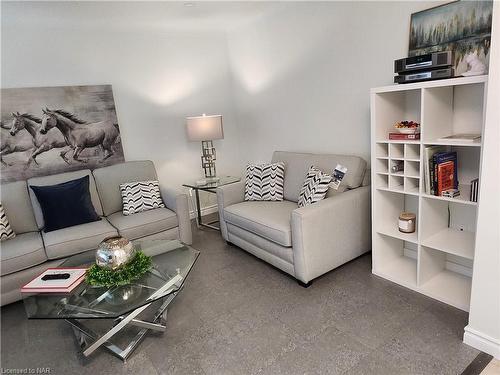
208, 157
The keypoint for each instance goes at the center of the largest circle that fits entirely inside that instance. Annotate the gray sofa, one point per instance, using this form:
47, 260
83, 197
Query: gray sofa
32, 250
309, 241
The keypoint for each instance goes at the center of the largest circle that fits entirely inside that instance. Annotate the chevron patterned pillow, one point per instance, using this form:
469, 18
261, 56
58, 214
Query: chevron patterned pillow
140, 196
264, 182
315, 186
6, 231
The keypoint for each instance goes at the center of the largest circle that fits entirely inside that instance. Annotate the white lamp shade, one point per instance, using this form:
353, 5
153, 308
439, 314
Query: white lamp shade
204, 128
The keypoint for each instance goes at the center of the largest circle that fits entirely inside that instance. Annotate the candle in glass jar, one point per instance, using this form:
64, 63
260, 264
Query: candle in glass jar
407, 222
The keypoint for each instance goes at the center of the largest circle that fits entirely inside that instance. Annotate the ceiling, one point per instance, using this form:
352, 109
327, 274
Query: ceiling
132, 15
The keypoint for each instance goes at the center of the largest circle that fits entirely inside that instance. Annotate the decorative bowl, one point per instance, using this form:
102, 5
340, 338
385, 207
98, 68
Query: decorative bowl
407, 127
114, 252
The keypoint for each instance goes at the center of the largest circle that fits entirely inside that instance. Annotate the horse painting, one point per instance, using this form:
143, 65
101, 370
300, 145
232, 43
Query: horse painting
43, 142
79, 134
9, 145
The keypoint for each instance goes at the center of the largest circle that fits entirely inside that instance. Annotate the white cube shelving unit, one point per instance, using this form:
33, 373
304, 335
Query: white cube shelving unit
437, 259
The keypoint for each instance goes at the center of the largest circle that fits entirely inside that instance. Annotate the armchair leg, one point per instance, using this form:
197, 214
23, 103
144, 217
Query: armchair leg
229, 243
304, 285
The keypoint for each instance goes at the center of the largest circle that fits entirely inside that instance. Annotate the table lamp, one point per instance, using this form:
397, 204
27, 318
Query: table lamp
206, 129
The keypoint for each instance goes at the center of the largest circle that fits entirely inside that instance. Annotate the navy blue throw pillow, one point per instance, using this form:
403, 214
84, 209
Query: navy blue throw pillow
66, 204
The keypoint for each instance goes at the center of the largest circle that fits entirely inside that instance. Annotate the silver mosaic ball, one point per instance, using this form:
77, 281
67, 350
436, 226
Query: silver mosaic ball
114, 252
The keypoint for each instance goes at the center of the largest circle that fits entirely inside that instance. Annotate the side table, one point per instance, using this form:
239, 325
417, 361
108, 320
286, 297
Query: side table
210, 187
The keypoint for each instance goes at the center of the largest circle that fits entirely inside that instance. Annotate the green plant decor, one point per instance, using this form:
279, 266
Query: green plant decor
138, 266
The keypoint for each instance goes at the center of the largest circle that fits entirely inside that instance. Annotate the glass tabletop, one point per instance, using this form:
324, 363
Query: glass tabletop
170, 258
221, 181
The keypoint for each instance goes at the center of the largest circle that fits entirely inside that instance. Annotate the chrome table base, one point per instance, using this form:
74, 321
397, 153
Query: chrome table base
89, 341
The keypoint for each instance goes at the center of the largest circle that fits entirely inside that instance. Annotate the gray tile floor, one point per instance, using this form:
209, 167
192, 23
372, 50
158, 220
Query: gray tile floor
238, 315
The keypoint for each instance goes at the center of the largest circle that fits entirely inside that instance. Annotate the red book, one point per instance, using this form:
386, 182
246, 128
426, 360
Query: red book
445, 176
404, 137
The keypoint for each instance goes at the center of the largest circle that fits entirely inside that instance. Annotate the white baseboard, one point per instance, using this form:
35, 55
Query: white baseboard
204, 211
482, 342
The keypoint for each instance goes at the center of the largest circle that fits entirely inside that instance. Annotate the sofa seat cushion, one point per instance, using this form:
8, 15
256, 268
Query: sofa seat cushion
77, 239
270, 220
22, 252
144, 223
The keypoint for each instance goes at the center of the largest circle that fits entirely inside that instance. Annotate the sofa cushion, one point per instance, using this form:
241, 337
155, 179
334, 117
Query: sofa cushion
315, 186
66, 204
108, 180
297, 165
143, 223
270, 220
6, 232
23, 251
57, 179
282, 252
77, 239
264, 182
17, 205
140, 196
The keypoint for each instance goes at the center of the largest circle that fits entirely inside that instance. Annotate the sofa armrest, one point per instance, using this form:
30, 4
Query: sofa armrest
177, 201
226, 196
331, 232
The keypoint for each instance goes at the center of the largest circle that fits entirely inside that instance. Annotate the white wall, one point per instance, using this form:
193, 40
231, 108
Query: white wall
483, 331
158, 77
302, 74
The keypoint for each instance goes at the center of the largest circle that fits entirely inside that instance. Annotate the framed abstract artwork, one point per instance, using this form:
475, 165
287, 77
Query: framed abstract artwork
463, 27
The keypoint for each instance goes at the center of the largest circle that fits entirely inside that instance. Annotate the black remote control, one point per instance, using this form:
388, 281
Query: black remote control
56, 276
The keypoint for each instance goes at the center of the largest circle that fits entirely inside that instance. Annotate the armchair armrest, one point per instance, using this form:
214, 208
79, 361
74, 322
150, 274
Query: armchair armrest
226, 196
331, 232
177, 201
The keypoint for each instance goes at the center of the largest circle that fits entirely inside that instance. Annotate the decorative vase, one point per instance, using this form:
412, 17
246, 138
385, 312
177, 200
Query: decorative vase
114, 252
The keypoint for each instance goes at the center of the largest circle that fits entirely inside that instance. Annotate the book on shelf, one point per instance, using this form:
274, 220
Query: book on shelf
439, 171
404, 137
446, 176
56, 280
474, 189
428, 167
451, 193
461, 137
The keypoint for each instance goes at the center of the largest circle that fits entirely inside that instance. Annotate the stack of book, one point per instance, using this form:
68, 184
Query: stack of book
440, 170
56, 280
474, 188
404, 137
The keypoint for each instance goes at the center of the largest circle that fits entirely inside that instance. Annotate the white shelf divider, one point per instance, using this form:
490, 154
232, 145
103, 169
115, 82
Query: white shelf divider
452, 241
449, 287
392, 231
402, 270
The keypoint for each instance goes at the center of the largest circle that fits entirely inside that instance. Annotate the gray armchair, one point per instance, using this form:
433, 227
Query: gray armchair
304, 242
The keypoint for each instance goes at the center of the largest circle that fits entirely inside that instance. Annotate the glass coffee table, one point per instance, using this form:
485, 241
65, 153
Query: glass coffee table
120, 306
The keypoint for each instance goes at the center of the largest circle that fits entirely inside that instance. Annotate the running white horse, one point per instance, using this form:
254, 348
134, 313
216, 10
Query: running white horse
43, 142
9, 144
79, 134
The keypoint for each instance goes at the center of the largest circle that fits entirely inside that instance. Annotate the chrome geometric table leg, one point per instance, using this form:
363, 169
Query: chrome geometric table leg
158, 324
82, 333
195, 207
